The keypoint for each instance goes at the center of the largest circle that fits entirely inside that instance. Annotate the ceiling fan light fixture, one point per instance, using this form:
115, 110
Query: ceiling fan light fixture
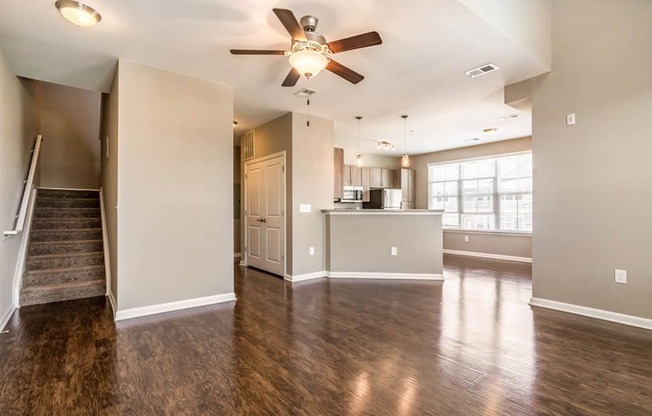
308, 63
78, 13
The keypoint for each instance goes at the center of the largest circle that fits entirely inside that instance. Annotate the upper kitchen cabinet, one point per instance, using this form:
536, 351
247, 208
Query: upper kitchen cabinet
352, 175
338, 159
366, 183
381, 178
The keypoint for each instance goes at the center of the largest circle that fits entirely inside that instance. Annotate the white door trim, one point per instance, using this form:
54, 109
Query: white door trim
243, 262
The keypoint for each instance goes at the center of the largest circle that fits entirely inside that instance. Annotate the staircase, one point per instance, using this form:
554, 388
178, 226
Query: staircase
65, 258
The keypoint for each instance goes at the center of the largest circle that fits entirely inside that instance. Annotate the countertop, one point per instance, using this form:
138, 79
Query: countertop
355, 211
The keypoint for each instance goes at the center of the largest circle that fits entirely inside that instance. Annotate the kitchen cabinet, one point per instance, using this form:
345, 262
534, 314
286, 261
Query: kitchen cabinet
408, 187
381, 178
352, 175
387, 178
365, 175
338, 160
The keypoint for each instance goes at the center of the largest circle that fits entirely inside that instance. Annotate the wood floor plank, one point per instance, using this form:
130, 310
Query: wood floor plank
468, 346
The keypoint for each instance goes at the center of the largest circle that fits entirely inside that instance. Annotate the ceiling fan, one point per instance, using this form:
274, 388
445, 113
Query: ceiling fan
310, 53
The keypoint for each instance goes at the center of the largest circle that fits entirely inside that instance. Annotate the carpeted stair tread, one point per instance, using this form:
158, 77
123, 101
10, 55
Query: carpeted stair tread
62, 291
64, 247
75, 234
58, 213
53, 261
62, 275
67, 203
65, 223
67, 193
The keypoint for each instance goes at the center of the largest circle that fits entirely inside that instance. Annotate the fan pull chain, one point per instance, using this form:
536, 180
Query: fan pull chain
308, 105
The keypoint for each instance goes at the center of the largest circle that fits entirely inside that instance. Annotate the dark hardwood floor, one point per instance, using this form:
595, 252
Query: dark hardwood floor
468, 346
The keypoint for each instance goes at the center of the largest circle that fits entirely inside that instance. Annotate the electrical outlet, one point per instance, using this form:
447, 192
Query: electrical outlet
311, 250
620, 276
394, 251
466, 238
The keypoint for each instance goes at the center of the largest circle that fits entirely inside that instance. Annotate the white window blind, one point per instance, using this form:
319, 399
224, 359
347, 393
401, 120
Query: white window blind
485, 194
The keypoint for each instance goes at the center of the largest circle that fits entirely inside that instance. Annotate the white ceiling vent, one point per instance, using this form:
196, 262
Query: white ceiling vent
305, 93
481, 70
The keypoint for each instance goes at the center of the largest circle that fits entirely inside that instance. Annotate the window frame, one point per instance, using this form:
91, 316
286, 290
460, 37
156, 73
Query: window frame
496, 195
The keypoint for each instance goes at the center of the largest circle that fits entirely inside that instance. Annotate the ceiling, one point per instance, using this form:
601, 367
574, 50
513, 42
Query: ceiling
418, 70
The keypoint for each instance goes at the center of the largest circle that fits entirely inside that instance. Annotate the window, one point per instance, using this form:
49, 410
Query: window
485, 194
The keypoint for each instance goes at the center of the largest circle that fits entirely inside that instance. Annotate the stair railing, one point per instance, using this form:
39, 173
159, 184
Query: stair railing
27, 191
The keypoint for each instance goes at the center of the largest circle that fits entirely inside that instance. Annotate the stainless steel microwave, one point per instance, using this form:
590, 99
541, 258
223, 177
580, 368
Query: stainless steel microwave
352, 194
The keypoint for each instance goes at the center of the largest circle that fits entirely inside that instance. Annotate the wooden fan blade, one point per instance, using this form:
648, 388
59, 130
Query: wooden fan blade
256, 52
290, 22
355, 42
292, 78
343, 71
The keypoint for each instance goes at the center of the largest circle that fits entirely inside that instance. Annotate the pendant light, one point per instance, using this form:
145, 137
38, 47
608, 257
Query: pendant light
405, 160
359, 159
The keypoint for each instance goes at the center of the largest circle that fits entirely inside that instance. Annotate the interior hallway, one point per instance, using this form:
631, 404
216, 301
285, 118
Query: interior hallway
470, 345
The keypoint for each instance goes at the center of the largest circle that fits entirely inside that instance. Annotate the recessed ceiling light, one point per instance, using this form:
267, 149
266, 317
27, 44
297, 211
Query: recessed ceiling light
78, 13
510, 117
481, 70
473, 139
490, 131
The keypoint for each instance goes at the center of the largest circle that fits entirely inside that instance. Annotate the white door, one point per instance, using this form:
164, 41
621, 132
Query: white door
264, 209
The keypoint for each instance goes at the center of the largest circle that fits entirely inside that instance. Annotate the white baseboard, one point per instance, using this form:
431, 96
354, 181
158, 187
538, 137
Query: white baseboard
394, 276
488, 256
7, 316
593, 313
303, 277
173, 306
237, 255
109, 294
242, 263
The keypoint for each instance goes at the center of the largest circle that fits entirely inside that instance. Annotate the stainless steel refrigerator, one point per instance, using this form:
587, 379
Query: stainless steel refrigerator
384, 199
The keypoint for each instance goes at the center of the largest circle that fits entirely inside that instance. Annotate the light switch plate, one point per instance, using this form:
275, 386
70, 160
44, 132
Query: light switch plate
394, 251
305, 208
570, 119
620, 276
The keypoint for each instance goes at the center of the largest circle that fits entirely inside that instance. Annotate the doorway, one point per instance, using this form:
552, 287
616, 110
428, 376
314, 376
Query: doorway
265, 214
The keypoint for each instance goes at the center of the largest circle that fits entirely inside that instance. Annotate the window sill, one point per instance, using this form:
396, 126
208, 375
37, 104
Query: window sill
493, 232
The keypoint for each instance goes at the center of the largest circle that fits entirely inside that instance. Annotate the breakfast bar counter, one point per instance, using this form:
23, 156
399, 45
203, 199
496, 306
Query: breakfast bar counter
384, 244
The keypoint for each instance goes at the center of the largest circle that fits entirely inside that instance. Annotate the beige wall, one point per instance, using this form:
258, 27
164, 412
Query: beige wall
307, 176
17, 131
175, 197
109, 163
271, 138
312, 183
70, 124
593, 180
501, 244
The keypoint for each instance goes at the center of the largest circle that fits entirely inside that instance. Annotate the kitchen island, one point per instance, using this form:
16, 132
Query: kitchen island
384, 244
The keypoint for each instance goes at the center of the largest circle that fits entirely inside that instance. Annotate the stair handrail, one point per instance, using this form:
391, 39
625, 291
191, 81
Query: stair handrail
27, 192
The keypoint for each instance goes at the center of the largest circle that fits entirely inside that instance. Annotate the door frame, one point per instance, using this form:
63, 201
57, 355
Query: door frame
243, 261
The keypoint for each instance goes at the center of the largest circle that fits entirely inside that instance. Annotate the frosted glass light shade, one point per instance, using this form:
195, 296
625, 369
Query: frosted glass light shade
359, 160
405, 161
78, 13
308, 63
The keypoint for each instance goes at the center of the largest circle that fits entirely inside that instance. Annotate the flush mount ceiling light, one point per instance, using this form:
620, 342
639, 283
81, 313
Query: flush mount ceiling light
385, 145
78, 13
405, 160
